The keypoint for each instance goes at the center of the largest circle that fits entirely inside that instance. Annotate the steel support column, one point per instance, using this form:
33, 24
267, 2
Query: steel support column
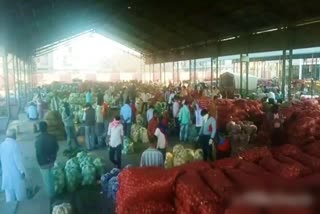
241, 75
211, 73
283, 81
18, 79
195, 71
149, 73
173, 76
152, 72
14, 77
164, 73
160, 73
178, 72
190, 72
247, 75
6, 81
290, 74
217, 72
25, 78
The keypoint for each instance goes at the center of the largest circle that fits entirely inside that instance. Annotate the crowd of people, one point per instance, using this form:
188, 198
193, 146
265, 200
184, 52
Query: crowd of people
100, 131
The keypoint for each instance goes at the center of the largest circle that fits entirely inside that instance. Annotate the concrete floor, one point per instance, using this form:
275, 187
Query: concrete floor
40, 202
87, 200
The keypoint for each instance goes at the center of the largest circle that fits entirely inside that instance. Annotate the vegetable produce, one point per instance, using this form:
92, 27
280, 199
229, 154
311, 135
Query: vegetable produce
73, 174
160, 107
180, 157
127, 146
64, 208
169, 160
88, 172
113, 187
198, 154
100, 166
106, 177
59, 178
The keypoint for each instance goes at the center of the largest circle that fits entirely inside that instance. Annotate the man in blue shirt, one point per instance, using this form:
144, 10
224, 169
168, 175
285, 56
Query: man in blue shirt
126, 117
88, 96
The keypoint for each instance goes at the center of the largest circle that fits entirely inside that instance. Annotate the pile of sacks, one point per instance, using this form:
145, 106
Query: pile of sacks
181, 155
55, 124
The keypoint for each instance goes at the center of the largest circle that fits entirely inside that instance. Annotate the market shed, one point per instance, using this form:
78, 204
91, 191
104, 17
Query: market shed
185, 29
163, 31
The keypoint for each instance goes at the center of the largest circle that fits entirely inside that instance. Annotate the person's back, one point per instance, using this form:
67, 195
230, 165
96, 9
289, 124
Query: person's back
46, 149
126, 113
150, 114
10, 166
88, 96
13, 171
184, 115
32, 112
151, 157
90, 116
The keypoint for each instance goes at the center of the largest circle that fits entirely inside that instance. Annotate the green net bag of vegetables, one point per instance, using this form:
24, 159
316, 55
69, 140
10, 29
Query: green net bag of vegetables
88, 172
59, 178
100, 166
73, 174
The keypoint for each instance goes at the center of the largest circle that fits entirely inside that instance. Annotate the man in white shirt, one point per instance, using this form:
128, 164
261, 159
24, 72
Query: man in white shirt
99, 124
150, 113
115, 135
144, 98
171, 97
13, 171
175, 113
161, 142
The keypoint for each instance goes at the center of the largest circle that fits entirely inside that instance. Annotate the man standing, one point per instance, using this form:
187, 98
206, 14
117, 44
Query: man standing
184, 118
126, 116
152, 156
89, 96
89, 118
46, 153
55, 103
13, 171
99, 122
175, 114
150, 113
115, 135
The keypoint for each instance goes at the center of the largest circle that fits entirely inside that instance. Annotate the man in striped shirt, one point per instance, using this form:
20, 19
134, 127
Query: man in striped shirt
152, 156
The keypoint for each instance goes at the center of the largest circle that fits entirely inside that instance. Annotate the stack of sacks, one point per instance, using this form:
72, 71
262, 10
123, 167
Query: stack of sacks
236, 110
200, 187
182, 156
55, 124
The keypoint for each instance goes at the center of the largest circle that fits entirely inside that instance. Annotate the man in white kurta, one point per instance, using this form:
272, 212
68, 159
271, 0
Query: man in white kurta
13, 171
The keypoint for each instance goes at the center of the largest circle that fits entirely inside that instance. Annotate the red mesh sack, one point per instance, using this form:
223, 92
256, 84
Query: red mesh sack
251, 168
195, 165
244, 181
287, 160
219, 183
145, 184
312, 149
307, 160
280, 169
256, 154
151, 207
243, 210
180, 208
194, 195
291, 210
226, 163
